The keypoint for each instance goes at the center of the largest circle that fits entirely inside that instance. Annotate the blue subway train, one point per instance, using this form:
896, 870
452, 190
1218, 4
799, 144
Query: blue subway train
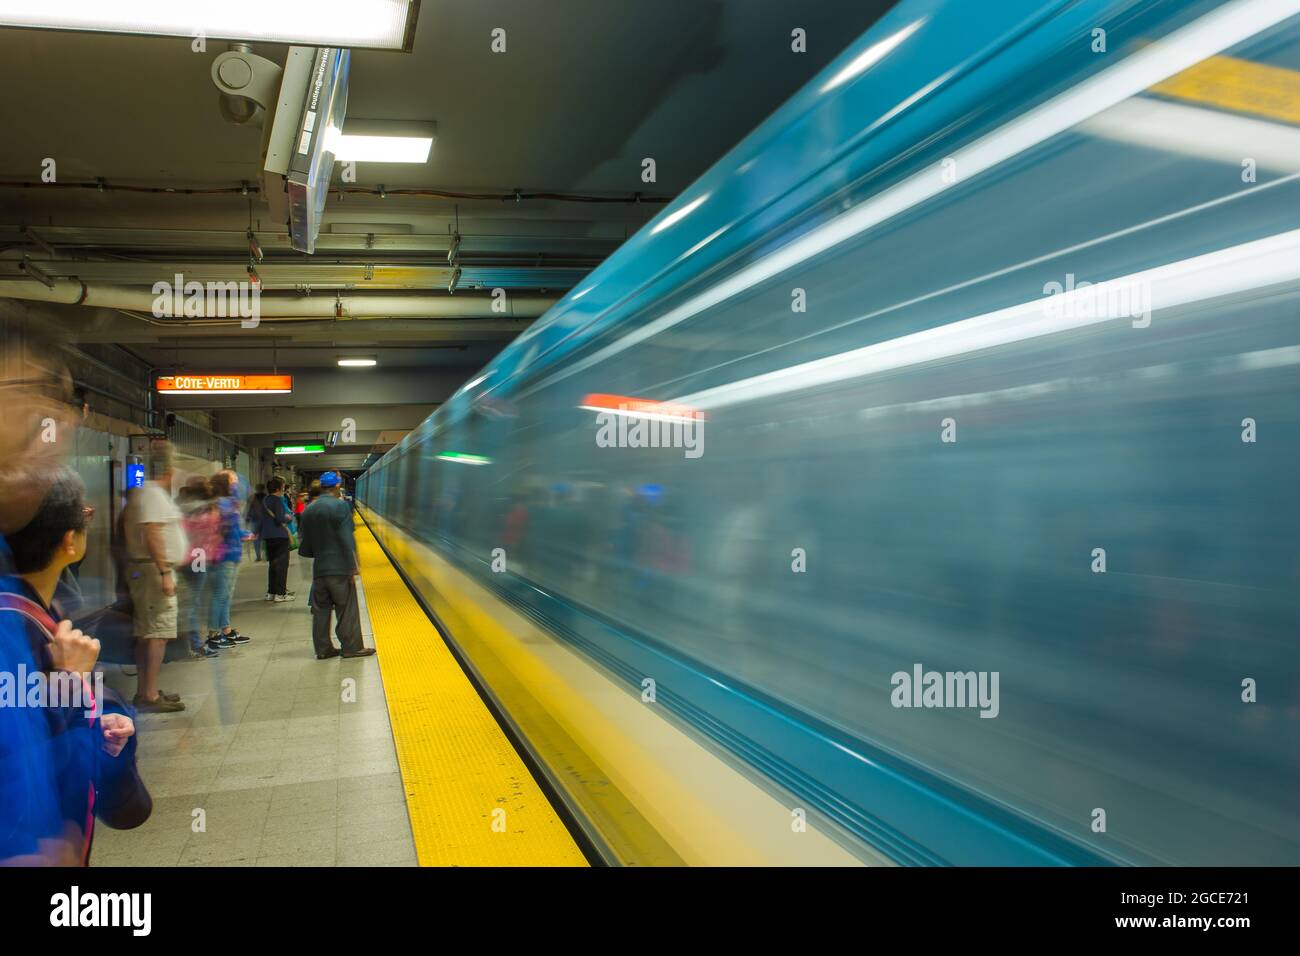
930, 464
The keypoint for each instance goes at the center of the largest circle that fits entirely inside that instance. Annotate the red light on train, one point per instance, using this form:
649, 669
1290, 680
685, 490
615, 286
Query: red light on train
641, 407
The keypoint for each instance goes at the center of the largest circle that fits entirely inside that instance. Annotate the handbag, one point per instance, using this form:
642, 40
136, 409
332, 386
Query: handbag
121, 798
293, 539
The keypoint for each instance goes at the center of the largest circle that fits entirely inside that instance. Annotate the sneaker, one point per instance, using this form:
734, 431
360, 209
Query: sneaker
219, 641
159, 705
208, 652
238, 638
270, 597
281, 598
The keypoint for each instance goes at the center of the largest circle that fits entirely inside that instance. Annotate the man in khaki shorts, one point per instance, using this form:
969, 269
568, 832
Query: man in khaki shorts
155, 545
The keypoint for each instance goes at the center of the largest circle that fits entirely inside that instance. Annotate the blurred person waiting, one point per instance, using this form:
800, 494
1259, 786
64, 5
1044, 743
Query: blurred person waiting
223, 563
328, 537
66, 761
253, 515
35, 391
202, 523
155, 547
304, 562
37, 425
40, 409
274, 532
37, 428
291, 508
290, 496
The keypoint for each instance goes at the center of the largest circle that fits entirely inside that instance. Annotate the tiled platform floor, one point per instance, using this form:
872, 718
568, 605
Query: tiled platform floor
286, 770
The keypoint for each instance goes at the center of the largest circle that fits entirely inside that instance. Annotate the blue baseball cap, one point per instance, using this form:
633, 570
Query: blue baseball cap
330, 479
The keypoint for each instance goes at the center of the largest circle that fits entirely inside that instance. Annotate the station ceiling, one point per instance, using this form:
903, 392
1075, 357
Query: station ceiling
585, 90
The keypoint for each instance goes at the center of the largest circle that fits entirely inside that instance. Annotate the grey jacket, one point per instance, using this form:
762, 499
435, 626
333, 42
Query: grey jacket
325, 533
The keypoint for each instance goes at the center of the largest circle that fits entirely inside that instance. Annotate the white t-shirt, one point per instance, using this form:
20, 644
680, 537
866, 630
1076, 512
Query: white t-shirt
151, 505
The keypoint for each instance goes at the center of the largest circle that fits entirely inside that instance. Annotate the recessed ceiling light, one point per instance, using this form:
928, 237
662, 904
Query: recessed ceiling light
381, 149
382, 141
358, 361
356, 24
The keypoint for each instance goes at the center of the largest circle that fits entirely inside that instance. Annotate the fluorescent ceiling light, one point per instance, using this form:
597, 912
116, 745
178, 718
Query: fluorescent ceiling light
381, 149
355, 24
381, 141
1212, 33
358, 362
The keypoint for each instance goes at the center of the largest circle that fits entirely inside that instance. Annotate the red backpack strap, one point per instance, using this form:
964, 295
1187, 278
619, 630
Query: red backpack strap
34, 612
29, 609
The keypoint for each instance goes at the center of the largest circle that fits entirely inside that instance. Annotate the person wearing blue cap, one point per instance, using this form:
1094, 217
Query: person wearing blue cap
326, 535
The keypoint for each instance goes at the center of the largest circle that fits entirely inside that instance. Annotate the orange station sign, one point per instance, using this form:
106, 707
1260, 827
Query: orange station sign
224, 383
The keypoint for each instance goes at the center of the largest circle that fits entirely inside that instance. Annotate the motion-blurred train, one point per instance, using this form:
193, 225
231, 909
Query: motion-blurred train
987, 546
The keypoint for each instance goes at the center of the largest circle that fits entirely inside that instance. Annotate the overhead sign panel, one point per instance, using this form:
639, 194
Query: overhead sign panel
299, 449
224, 383
307, 183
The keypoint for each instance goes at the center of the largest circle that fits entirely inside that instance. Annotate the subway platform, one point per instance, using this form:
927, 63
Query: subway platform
283, 760
267, 765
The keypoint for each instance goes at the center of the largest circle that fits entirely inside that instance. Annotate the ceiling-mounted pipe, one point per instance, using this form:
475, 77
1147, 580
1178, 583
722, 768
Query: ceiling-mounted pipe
217, 304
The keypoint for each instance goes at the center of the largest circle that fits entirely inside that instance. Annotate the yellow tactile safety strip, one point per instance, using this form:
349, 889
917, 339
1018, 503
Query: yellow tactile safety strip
1238, 85
471, 799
